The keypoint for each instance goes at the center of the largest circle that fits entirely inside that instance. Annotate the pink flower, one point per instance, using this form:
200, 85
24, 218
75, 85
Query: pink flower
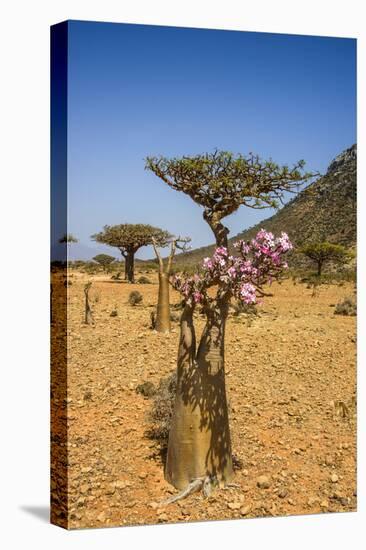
284, 242
231, 272
197, 297
221, 251
207, 263
247, 293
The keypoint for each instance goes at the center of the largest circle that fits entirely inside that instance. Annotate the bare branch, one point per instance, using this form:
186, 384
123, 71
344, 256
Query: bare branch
157, 253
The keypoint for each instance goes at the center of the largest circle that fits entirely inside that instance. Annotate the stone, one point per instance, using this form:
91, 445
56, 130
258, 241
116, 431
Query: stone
334, 478
245, 510
101, 517
234, 505
263, 482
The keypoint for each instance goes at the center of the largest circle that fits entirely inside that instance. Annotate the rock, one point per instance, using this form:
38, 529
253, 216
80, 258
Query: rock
234, 505
162, 517
121, 484
101, 517
263, 482
324, 503
282, 493
334, 478
245, 510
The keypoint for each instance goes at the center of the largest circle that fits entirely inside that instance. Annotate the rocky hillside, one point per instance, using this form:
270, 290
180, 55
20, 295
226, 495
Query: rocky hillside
325, 210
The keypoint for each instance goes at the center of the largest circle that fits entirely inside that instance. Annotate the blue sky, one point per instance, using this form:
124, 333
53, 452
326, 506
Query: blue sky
137, 90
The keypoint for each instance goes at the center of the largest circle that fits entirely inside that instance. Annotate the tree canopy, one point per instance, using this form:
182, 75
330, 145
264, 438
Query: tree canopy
68, 238
221, 182
322, 252
130, 237
104, 260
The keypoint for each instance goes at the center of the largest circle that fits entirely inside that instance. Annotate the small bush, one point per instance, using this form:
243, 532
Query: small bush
135, 298
147, 389
174, 317
240, 308
347, 307
162, 409
143, 280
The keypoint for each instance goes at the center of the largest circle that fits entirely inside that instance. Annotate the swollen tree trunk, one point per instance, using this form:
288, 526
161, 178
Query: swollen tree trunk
163, 308
129, 267
199, 438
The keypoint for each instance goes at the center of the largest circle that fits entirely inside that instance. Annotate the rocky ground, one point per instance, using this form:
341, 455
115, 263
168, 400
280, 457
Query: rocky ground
291, 381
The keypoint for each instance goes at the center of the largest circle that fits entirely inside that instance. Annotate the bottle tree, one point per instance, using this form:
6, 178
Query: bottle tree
128, 238
199, 441
162, 322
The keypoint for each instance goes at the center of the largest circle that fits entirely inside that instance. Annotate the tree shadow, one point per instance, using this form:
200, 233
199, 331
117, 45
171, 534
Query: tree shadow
40, 512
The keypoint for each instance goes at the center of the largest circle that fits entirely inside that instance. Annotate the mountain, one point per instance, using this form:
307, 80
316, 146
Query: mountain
325, 210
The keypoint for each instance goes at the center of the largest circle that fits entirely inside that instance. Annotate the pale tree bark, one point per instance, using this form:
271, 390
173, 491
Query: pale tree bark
199, 439
163, 323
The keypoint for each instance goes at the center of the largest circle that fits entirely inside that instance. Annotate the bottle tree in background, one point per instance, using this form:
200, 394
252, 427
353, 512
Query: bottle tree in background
199, 440
162, 322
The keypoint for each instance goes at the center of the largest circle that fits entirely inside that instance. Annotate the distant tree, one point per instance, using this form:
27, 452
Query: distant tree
68, 239
199, 445
105, 260
128, 238
162, 321
324, 252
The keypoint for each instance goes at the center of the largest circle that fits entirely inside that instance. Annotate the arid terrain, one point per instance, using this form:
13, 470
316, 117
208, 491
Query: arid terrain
291, 383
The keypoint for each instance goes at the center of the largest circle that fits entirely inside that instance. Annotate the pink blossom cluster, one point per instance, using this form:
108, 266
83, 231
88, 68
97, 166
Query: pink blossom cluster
259, 262
192, 288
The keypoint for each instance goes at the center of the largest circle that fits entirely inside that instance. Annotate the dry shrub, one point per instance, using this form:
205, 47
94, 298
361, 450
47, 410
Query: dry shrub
135, 298
147, 389
347, 307
161, 411
143, 280
240, 308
